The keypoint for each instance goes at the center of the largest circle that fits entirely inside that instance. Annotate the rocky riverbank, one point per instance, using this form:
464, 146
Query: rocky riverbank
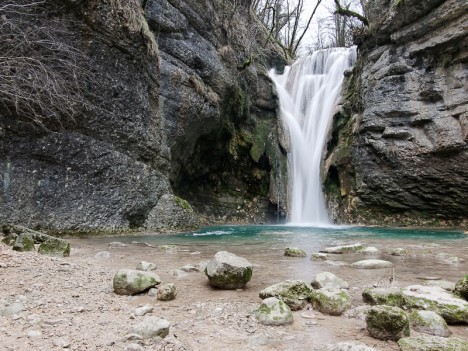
52, 303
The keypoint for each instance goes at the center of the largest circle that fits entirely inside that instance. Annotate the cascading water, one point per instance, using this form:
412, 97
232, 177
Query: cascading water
308, 92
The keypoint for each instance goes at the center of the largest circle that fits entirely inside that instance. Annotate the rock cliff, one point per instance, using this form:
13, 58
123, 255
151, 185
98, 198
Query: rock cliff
397, 153
120, 102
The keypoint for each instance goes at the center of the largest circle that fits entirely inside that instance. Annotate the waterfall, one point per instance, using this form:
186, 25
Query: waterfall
309, 91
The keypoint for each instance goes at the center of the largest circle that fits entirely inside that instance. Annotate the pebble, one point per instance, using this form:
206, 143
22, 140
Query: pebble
34, 334
141, 311
308, 315
63, 343
133, 347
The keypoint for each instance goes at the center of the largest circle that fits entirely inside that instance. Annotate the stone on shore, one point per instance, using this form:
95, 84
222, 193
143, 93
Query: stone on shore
328, 280
228, 271
399, 252
383, 296
436, 299
151, 327
294, 252
343, 249
320, 256
387, 323
346, 346
429, 343
372, 264
24, 242
294, 293
273, 311
370, 250
167, 292
130, 282
461, 287
429, 322
331, 302
145, 266
54, 247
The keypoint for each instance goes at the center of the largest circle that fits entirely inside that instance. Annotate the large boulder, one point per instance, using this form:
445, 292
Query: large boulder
429, 322
273, 311
461, 287
294, 293
173, 213
151, 327
387, 323
436, 299
332, 302
429, 343
228, 271
329, 281
130, 281
25, 239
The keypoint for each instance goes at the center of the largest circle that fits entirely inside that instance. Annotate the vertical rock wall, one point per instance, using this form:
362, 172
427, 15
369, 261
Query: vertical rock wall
219, 108
398, 152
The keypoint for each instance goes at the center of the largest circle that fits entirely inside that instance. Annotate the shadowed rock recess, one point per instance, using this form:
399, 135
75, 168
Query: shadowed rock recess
397, 153
161, 98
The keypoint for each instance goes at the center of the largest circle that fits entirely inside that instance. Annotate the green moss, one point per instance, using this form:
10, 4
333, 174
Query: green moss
389, 297
260, 139
183, 203
54, 246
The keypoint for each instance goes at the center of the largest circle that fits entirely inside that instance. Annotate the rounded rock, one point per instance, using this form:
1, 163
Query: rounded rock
387, 323
228, 271
273, 311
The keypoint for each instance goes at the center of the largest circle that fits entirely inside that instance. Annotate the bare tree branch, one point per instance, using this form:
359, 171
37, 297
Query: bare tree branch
346, 12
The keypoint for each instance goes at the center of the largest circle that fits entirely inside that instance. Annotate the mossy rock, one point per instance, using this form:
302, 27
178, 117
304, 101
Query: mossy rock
54, 247
228, 271
331, 302
273, 311
295, 293
429, 322
432, 343
461, 287
387, 323
343, 249
436, 299
383, 296
9, 240
24, 242
294, 252
131, 282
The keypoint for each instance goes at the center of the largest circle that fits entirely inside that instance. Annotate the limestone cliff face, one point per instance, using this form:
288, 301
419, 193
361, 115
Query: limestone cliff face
398, 151
219, 108
135, 117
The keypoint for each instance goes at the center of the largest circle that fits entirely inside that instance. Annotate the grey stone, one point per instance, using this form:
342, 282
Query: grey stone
436, 299
295, 293
294, 252
11, 309
130, 282
444, 284
151, 327
387, 323
228, 271
117, 244
329, 281
145, 266
358, 312
332, 302
273, 311
172, 212
384, 296
429, 322
319, 256
346, 346
425, 343
141, 311
103, 255
167, 292
372, 264
24, 242
461, 287
190, 268
343, 249
370, 250
399, 252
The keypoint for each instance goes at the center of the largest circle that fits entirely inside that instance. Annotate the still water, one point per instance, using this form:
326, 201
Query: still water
263, 246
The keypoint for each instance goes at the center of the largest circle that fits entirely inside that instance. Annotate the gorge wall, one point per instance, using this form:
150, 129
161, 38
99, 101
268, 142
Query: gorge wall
397, 153
129, 102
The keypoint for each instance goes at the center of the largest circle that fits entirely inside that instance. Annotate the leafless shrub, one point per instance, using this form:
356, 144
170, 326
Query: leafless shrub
40, 73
